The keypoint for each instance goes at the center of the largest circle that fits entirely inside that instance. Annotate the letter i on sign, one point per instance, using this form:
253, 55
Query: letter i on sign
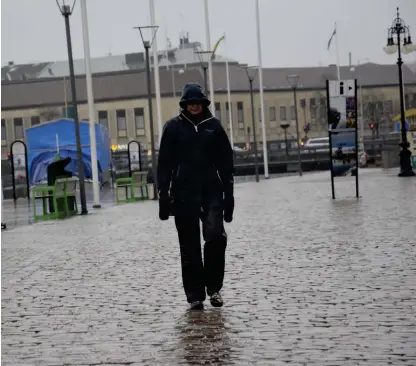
341, 88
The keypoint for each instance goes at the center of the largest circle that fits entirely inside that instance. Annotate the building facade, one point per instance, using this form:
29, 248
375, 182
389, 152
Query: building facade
121, 101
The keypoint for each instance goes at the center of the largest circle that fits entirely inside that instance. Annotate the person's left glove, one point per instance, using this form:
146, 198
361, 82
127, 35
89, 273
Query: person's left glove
229, 204
164, 206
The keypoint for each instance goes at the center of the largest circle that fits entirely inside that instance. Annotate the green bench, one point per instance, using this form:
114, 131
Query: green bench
61, 192
137, 180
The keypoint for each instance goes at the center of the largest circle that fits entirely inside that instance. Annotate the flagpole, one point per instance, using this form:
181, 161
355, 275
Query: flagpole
156, 70
91, 109
263, 123
230, 115
336, 46
208, 40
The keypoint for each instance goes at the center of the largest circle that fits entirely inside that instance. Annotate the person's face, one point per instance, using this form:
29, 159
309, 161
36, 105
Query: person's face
194, 109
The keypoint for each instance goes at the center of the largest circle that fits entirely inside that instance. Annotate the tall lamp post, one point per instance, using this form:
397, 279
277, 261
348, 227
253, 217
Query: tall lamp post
91, 109
285, 126
251, 73
204, 59
66, 11
398, 31
293, 82
147, 44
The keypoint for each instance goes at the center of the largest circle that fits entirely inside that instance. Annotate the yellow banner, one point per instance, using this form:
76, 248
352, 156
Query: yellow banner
216, 45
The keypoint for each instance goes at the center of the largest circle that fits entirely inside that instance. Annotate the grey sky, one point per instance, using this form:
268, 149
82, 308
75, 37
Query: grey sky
294, 32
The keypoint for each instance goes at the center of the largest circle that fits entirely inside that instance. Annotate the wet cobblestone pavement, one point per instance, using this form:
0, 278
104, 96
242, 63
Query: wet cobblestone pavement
308, 281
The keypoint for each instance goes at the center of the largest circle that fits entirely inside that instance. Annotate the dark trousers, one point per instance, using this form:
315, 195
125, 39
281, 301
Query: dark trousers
196, 274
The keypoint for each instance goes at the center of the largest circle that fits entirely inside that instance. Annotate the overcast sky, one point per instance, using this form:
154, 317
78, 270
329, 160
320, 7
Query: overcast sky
294, 33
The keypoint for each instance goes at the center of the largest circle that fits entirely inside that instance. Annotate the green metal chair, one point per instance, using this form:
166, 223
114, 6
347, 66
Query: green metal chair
63, 189
137, 180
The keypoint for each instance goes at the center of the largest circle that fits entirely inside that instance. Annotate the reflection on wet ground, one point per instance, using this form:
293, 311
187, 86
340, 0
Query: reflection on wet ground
203, 338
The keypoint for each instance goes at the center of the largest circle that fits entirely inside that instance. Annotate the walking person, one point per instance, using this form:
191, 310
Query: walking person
196, 183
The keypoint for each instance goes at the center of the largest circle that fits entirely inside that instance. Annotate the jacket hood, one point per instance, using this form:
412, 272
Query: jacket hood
193, 92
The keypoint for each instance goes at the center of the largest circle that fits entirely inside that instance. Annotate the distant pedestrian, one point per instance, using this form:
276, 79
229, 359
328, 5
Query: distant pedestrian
196, 182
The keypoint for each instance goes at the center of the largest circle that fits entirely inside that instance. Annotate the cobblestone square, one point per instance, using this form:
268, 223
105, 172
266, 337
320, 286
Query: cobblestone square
309, 281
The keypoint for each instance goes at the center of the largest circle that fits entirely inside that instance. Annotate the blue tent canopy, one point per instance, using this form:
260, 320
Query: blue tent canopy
42, 147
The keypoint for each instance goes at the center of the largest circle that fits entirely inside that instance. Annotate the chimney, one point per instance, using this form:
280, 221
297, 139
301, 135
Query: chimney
350, 59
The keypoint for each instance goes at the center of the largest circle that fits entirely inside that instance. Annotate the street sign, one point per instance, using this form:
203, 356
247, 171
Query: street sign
341, 88
342, 129
399, 126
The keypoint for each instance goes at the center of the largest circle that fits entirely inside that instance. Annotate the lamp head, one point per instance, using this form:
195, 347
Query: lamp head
204, 57
148, 34
293, 80
66, 7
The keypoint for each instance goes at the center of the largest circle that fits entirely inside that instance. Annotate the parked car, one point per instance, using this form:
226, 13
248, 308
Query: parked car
318, 144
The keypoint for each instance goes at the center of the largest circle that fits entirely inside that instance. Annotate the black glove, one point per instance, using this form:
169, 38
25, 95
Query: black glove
228, 206
164, 206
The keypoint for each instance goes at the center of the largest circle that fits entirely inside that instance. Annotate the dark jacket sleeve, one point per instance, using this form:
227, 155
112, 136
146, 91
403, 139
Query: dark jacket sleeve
225, 159
166, 161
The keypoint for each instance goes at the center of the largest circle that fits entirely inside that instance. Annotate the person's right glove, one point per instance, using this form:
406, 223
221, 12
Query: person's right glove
228, 205
164, 206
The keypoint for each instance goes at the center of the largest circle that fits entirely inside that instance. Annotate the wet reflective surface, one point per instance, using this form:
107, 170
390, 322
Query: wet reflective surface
308, 281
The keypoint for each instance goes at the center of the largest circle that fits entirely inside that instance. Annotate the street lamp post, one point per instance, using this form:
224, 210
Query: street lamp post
204, 59
66, 11
399, 29
293, 82
285, 126
250, 75
147, 44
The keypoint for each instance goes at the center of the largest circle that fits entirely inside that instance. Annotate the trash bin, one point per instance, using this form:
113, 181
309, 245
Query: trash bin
57, 170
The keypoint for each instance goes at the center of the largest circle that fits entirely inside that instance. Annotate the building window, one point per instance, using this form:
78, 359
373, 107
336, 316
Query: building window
322, 111
407, 101
240, 112
292, 113
388, 107
35, 120
272, 113
218, 110
227, 109
19, 132
139, 118
121, 123
313, 112
103, 118
240, 115
3, 133
283, 113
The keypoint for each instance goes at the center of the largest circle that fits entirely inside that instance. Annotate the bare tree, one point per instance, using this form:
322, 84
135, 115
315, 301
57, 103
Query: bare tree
49, 114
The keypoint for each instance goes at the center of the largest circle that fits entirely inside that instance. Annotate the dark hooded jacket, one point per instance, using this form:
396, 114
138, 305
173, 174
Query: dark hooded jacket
195, 156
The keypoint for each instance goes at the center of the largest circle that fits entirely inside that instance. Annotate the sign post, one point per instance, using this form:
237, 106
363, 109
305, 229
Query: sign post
134, 157
342, 129
19, 166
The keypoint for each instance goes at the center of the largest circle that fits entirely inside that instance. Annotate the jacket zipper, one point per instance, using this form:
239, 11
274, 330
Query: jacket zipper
196, 126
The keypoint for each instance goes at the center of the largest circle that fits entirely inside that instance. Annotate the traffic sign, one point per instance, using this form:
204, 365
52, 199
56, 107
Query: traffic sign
399, 126
341, 88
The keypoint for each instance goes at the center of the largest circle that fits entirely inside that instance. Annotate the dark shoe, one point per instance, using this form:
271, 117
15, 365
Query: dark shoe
197, 305
216, 300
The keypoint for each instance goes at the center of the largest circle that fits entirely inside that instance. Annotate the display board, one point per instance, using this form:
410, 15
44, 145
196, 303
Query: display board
342, 129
